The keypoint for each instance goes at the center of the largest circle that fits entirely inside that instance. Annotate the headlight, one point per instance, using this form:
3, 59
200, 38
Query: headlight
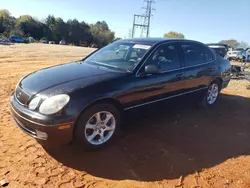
34, 103
53, 104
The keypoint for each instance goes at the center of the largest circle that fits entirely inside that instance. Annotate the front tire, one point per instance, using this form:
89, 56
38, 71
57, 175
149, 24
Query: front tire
98, 126
211, 94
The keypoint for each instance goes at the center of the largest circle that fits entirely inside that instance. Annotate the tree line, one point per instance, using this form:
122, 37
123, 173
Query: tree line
231, 42
173, 34
235, 44
56, 29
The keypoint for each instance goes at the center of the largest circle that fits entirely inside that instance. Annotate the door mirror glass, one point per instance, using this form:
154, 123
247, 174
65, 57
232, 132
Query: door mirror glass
151, 69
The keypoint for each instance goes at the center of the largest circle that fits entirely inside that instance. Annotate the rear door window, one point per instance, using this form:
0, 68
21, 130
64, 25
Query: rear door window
195, 54
209, 56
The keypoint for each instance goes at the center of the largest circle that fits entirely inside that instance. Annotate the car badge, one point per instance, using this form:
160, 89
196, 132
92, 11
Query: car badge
19, 95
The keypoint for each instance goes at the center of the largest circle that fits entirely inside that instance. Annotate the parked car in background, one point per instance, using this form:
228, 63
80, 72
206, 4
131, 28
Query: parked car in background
93, 46
84, 100
31, 39
240, 49
51, 42
4, 40
233, 55
242, 56
44, 41
248, 55
62, 42
17, 39
84, 44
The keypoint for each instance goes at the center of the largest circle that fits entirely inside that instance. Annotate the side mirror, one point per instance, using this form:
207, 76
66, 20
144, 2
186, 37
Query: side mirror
151, 69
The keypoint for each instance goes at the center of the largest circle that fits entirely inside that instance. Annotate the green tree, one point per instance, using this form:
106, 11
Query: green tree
29, 27
47, 33
7, 22
50, 22
16, 32
73, 31
173, 34
61, 30
101, 34
79, 32
4, 13
243, 44
86, 36
231, 42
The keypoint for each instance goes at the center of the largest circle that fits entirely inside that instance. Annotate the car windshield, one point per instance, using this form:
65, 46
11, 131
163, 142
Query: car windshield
123, 56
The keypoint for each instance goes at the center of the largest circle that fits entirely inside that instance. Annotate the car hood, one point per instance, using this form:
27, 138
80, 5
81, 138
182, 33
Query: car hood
46, 78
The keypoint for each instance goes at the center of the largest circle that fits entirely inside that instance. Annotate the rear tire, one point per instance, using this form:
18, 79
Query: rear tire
211, 94
98, 126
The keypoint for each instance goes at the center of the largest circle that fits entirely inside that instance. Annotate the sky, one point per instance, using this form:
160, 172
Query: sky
202, 20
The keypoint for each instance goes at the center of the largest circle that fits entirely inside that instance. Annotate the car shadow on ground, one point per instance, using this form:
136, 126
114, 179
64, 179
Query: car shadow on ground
168, 140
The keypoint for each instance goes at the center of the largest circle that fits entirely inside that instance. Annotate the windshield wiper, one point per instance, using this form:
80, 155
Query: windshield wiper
110, 66
129, 69
104, 64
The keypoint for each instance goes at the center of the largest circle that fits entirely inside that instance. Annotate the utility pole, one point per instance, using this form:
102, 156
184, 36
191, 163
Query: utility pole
148, 15
145, 26
133, 29
130, 33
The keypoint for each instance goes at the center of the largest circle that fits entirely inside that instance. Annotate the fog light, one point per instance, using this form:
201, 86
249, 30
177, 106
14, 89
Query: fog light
41, 135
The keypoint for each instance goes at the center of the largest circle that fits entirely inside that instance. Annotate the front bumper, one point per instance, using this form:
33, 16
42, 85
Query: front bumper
47, 130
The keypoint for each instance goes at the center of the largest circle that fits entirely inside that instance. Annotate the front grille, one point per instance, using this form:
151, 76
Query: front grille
21, 96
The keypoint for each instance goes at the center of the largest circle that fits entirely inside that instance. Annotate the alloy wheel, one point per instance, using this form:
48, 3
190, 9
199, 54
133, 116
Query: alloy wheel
100, 128
213, 92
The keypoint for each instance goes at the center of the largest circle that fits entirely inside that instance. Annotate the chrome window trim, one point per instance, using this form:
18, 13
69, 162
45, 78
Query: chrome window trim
199, 64
162, 99
184, 67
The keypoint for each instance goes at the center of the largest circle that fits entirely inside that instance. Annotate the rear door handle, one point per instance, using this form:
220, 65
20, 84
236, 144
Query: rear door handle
211, 70
181, 75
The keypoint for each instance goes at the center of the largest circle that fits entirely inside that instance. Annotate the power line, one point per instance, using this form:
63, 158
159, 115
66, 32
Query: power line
145, 26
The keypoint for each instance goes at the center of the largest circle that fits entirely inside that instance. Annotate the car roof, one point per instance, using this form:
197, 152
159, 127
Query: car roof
149, 41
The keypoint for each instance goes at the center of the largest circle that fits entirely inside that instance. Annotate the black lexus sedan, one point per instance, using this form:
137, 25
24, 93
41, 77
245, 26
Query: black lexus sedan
83, 101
